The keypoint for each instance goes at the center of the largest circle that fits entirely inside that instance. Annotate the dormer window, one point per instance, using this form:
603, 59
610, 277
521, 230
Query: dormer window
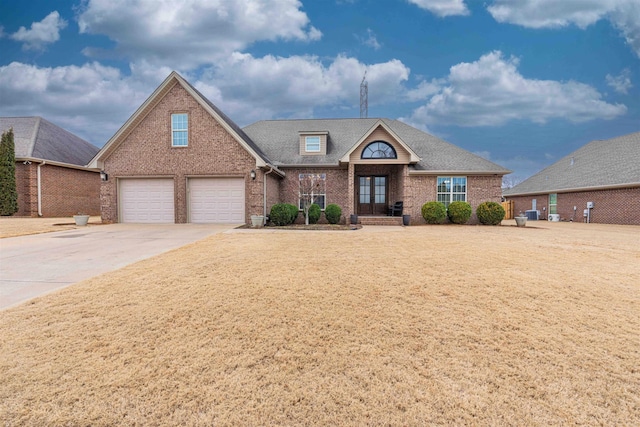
379, 150
312, 144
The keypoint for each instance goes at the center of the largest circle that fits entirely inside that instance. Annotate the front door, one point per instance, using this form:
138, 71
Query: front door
372, 195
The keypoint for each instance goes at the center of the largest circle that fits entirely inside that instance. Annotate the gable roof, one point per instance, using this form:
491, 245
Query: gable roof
599, 164
174, 78
279, 140
39, 139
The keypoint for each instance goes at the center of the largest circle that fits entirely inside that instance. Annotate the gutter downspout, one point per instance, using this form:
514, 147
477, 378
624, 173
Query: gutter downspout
264, 193
40, 187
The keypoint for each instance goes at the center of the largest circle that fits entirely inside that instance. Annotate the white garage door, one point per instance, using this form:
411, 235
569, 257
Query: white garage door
216, 200
146, 200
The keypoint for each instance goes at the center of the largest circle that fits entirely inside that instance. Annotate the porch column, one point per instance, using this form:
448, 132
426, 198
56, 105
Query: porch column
351, 189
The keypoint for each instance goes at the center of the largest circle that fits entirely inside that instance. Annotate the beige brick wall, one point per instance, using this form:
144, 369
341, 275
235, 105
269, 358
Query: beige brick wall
64, 191
616, 206
212, 151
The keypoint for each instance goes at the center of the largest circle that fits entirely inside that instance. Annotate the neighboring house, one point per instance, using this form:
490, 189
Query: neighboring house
51, 177
180, 159
603, 173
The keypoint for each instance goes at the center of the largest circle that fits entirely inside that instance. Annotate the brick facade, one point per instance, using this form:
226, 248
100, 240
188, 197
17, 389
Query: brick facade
212, 151
614, 206
144, 150
336, 188
423, 189
64, 191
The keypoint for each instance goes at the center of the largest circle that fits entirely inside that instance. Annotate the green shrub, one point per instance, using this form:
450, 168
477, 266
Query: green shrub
333, 213
490, 213
434, 212
8, 189
459, 212
293, 211
314, 213
280, 214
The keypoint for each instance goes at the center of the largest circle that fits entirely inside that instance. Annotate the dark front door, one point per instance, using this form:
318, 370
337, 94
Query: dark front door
372, 195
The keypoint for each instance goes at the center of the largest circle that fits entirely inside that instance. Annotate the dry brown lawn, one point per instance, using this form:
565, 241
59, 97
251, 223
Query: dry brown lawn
431, 325
22, 226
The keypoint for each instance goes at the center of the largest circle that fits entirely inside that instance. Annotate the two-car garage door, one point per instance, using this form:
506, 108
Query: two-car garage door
211, 200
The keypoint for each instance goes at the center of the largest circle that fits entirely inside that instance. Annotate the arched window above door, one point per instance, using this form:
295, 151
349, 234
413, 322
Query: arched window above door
379, 150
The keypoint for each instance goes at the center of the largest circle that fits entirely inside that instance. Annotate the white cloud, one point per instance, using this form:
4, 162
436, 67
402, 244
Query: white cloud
41, 33
370, 40
623, 14
442, 7
491, 92
250, 88
621, 83
193, 32
92, 101
425, 89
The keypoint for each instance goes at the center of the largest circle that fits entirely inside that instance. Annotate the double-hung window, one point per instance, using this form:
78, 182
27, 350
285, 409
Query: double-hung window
312, 144
313, 189
452, 189
180, 130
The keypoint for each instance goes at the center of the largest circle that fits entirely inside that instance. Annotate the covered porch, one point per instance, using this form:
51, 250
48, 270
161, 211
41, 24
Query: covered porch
374, 189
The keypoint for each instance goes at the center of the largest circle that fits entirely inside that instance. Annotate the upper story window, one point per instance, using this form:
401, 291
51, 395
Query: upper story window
379, 150
312, 144
179, 130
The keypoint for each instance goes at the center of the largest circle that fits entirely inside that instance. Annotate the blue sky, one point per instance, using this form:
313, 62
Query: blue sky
522, 83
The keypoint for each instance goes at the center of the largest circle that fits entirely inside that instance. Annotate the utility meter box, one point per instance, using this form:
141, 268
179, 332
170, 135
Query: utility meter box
590, 205
585, 213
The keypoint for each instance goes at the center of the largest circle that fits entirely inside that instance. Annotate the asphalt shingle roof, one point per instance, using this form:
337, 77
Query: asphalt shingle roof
35, 137
279, 139
601, 163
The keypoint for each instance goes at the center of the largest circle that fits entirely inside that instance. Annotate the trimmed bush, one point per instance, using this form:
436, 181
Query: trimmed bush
459, 212
490, 213
314, 213
280, 214
333, 213
293, 211
434, 213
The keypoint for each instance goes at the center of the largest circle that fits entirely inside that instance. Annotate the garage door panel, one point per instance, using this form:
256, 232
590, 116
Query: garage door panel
216, 200
147, 200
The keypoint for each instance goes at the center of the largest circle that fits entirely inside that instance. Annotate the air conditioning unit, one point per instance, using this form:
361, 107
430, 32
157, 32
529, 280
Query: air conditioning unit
532, 215
554, 217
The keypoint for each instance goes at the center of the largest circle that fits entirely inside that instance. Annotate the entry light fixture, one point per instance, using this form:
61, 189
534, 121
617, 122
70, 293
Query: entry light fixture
104, 176
253, 174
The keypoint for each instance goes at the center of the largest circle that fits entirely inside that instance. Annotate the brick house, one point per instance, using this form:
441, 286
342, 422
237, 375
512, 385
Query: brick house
51, 177
604, 174
180, 159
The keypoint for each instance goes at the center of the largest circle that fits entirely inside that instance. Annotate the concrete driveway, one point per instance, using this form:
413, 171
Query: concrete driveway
34, 265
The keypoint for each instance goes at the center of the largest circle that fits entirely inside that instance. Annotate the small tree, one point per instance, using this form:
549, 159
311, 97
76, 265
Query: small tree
8, 192
311, 188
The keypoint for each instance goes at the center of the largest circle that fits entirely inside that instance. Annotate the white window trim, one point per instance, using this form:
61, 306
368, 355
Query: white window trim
306, 143
324, 194
173, 144
451, 192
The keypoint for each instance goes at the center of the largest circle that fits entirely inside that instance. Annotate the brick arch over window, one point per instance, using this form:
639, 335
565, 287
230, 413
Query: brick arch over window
379, 150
